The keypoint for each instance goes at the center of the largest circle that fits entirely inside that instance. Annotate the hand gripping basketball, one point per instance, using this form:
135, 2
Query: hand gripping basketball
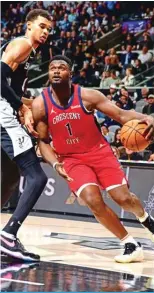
135, 134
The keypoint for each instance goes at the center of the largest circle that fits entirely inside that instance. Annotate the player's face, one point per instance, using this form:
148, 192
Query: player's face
40, 29
59, 72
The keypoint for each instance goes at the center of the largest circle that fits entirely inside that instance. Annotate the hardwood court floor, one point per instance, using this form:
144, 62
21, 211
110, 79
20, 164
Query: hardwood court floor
82, 245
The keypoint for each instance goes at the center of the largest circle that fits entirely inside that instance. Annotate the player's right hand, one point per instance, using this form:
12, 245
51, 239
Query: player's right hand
28, 120
61, 171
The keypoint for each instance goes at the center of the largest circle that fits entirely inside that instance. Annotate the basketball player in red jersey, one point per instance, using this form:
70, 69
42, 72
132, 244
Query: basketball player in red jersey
83, 156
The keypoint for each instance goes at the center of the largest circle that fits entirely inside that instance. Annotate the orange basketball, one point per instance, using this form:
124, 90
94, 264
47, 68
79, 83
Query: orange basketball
132, 136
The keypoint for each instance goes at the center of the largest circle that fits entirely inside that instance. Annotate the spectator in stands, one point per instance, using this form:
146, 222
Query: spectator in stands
93, 22
90, 50
104, 77
104, 24
127, 57
113, 92
94, 34
144, 93
124, 92
74, 38
82, 16
54, 32
131, 156
150, 30
86, 67
125, 103
117, 142
149, 108
113, 57
69, 51
81, 79
64, 24
101, 11
78, 58
146, 41
62, 42
108, 65
101, 57
106, 133
90, 9
114, 23
129, 41
94, 67
72, 17
113, 79
5, 38
145, 56
129, 79
138, 67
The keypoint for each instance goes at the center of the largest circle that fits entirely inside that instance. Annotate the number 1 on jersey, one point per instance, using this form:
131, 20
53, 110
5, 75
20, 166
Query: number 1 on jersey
68, 126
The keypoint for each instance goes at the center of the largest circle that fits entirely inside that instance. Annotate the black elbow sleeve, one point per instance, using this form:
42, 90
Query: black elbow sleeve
6, 91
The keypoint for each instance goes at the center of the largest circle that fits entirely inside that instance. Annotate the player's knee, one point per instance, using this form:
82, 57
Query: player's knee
125, 200
94, 202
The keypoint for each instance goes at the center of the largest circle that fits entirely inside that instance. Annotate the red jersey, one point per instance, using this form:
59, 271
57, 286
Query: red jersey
73, 128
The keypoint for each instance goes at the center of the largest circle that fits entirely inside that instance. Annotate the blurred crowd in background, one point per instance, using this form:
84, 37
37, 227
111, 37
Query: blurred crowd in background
76, 27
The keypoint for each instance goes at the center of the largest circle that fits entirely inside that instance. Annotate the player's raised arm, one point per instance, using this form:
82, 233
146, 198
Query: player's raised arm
97, 100
46, 150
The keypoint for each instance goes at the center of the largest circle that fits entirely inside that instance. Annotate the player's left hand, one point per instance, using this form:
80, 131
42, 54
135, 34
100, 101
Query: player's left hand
28, 120
149, 131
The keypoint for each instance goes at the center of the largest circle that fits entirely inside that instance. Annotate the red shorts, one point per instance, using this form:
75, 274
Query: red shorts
97, 167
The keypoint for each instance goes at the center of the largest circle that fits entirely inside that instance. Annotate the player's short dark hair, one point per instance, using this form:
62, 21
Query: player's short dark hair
33, 14
62, 58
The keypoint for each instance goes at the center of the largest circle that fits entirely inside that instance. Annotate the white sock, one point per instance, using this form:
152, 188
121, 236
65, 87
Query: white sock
8, 235
144, 217
128, 239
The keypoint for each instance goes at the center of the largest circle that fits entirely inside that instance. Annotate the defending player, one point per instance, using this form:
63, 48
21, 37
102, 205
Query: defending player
16, 142
84, 157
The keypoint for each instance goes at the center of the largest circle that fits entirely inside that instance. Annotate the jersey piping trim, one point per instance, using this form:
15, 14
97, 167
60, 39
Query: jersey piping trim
58, 106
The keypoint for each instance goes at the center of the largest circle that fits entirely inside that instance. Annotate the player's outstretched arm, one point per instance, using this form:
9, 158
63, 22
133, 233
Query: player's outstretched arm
46, 150
96, 100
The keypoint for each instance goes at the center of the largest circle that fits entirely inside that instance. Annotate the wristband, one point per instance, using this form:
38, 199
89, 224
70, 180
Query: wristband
54, 165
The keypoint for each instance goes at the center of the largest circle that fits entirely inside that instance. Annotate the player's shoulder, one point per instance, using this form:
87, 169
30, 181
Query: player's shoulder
38, 107
89, 93
21, 42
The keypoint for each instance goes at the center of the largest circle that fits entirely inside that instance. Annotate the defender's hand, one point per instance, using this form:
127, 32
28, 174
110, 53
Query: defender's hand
61, 171
28, 119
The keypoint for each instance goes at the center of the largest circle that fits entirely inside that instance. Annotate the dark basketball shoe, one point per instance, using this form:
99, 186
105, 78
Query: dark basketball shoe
14, 248
132, 253
149, 225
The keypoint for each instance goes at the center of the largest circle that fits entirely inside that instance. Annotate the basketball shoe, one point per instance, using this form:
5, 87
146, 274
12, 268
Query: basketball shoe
12, 246
132, 253
148, 224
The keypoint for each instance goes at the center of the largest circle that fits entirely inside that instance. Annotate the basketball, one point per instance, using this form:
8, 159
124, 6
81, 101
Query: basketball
132, 135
